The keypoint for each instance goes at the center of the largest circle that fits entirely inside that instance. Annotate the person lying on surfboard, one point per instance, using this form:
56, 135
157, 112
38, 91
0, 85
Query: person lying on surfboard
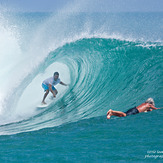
48, 85
149, 105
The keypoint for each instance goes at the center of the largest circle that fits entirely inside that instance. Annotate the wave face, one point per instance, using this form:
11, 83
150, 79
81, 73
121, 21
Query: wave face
104, 71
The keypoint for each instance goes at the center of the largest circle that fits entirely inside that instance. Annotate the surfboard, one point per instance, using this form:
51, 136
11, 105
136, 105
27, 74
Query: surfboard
49, 101
41, 106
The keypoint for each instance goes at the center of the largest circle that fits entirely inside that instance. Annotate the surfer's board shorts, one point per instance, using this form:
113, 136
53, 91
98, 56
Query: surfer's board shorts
45, 87
132, 111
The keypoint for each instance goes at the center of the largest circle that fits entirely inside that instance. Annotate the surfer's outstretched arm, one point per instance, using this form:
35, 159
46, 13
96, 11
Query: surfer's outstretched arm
151, 106
63, 84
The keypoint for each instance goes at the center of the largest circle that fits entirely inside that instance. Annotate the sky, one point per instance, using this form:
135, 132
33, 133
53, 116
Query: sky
83, 5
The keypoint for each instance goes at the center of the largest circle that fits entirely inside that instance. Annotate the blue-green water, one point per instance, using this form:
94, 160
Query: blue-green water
110, 61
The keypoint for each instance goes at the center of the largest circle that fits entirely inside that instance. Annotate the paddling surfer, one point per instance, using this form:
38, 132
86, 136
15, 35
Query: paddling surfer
149, 105
48, 85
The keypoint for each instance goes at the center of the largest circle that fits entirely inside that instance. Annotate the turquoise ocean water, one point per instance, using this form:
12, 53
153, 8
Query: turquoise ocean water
110, 60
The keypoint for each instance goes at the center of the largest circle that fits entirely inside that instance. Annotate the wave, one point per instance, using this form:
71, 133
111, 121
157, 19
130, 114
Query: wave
107, 63
103, 73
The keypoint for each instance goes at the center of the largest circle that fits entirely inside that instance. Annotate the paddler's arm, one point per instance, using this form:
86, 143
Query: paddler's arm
148, 110
51, 90
151, 106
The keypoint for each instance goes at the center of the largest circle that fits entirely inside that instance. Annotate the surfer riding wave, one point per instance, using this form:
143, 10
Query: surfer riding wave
48, 85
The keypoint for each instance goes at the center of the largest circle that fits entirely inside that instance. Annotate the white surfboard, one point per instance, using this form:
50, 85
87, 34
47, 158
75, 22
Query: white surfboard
49, 101
41, 106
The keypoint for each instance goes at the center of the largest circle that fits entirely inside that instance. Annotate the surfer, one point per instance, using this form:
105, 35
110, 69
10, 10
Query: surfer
48, 85
149, 105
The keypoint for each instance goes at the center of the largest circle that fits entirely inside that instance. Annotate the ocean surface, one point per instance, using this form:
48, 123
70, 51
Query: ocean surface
110, 61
